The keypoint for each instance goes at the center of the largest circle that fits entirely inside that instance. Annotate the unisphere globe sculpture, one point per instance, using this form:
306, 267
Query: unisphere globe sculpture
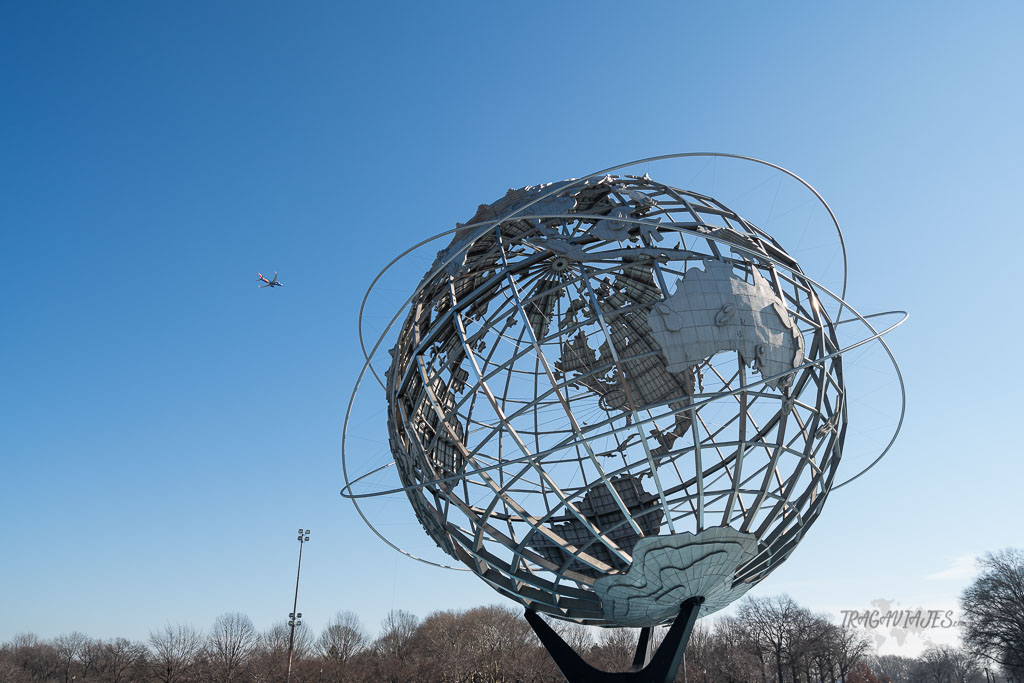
610, 395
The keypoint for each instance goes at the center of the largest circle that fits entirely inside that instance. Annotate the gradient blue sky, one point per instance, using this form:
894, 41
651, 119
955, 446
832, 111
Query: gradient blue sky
165, 426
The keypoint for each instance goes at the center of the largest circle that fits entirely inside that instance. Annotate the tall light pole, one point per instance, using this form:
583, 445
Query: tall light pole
295, 618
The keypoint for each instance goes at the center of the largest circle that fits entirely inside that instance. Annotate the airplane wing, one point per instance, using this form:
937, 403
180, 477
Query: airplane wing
275, 276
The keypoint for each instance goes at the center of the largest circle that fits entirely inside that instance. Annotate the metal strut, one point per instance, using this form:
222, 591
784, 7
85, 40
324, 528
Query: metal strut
649, 666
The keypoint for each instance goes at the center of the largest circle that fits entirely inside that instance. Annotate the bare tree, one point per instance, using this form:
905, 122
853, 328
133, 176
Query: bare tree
339, 644
492, 643
34, 656
699, 653
848, 647
896, 668
89, 657
397, 631
577, 636
768, 622
270, 659
118, 658
934, 665
176, 652
230, 643
503, 642
276, 638
68, 647
964, 664
732, 657
614, 649
394, 645
450, 647
9, 673
992, 610
806, 635
342, 638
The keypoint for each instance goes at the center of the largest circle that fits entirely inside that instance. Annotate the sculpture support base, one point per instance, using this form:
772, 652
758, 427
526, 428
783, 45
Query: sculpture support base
648, 666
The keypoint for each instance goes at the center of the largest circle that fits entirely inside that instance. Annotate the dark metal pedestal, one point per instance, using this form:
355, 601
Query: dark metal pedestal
648, 666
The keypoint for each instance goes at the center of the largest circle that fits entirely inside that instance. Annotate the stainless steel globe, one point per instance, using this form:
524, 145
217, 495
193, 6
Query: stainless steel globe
609, 395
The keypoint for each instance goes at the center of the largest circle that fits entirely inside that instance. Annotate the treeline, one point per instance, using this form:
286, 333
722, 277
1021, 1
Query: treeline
770, 639
775, 639
482, 644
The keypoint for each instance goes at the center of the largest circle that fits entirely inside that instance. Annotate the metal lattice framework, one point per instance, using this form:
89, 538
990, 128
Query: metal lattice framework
610, 376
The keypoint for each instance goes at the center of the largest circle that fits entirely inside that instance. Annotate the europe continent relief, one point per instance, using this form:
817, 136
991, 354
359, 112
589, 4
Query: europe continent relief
714, 310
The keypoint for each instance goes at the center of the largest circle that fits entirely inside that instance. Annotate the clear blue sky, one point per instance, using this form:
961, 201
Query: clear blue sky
165, 426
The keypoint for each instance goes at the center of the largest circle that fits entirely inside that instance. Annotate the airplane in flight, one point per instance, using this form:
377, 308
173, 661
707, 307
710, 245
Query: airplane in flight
270, 283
